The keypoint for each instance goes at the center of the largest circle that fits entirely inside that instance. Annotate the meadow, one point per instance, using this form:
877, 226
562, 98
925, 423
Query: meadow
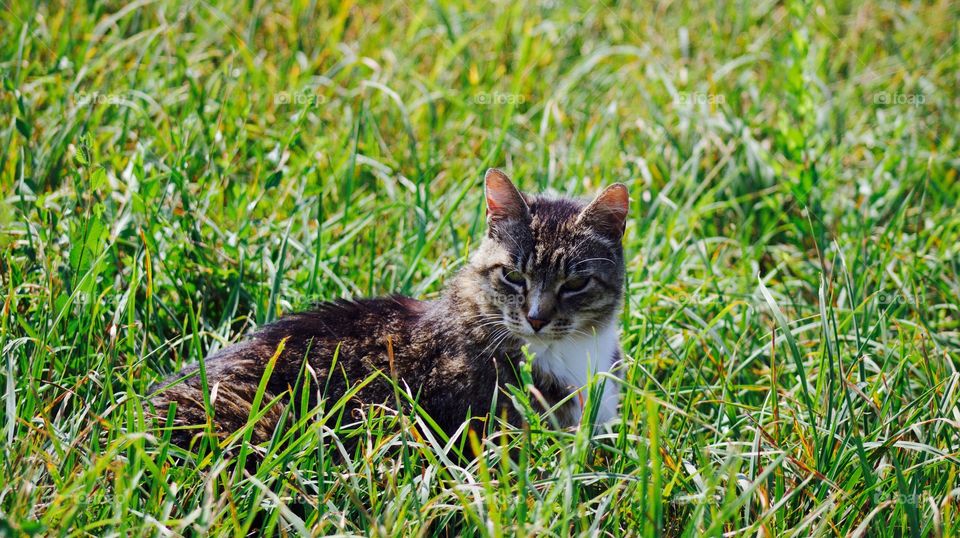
176, 173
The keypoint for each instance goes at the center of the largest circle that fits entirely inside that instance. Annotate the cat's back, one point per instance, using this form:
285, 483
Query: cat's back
343, 341
343, 324
363, 335
346, 319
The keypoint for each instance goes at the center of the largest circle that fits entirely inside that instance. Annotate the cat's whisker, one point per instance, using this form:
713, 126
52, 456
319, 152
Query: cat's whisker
478, 316
592, 260
494, 323
495, 342
506, 334
483, 320
515, 243
585, 334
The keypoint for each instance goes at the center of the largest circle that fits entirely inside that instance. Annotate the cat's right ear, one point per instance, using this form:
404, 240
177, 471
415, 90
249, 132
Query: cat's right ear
504, 201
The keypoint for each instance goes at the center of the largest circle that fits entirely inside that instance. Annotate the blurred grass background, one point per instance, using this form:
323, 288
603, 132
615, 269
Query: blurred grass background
176, 173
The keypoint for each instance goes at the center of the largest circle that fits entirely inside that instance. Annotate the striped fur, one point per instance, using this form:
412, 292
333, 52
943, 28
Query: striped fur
454, 354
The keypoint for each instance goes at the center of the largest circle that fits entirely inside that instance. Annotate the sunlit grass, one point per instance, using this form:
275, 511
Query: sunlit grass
176, 174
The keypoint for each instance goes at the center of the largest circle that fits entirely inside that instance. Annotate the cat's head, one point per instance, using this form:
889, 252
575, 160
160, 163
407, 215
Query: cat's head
550, 268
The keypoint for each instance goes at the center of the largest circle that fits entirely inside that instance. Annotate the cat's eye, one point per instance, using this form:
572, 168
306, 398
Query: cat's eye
514, 277
576, 283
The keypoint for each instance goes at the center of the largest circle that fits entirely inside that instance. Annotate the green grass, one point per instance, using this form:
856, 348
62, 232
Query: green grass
177, 173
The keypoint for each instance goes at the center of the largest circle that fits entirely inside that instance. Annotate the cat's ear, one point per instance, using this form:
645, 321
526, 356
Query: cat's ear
504, 201
608, 212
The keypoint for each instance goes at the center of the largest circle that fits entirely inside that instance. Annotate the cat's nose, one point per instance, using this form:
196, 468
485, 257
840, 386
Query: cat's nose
537, 323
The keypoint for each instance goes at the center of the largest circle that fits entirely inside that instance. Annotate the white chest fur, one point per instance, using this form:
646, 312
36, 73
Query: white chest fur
573, 360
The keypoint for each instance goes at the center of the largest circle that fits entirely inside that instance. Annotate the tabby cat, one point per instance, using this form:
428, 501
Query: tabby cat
549, 275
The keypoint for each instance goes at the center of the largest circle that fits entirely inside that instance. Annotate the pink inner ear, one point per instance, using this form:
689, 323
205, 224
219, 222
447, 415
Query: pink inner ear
503, 199
616, 199
609, 211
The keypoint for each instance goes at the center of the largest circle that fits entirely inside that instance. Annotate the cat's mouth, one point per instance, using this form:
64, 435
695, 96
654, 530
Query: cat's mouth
541, 338
556, 331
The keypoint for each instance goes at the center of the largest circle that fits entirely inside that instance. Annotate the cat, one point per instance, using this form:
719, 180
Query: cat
549, 274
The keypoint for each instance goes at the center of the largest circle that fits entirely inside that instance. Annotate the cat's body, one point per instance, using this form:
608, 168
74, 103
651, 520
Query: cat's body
453, 355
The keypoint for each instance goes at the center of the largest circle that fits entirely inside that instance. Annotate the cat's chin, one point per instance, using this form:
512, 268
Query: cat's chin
528, 336
539, 339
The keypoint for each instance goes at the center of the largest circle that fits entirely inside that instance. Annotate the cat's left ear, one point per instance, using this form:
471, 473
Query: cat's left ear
608, 212
504, 201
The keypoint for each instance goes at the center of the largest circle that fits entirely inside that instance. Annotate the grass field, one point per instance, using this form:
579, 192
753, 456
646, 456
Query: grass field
175, 174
